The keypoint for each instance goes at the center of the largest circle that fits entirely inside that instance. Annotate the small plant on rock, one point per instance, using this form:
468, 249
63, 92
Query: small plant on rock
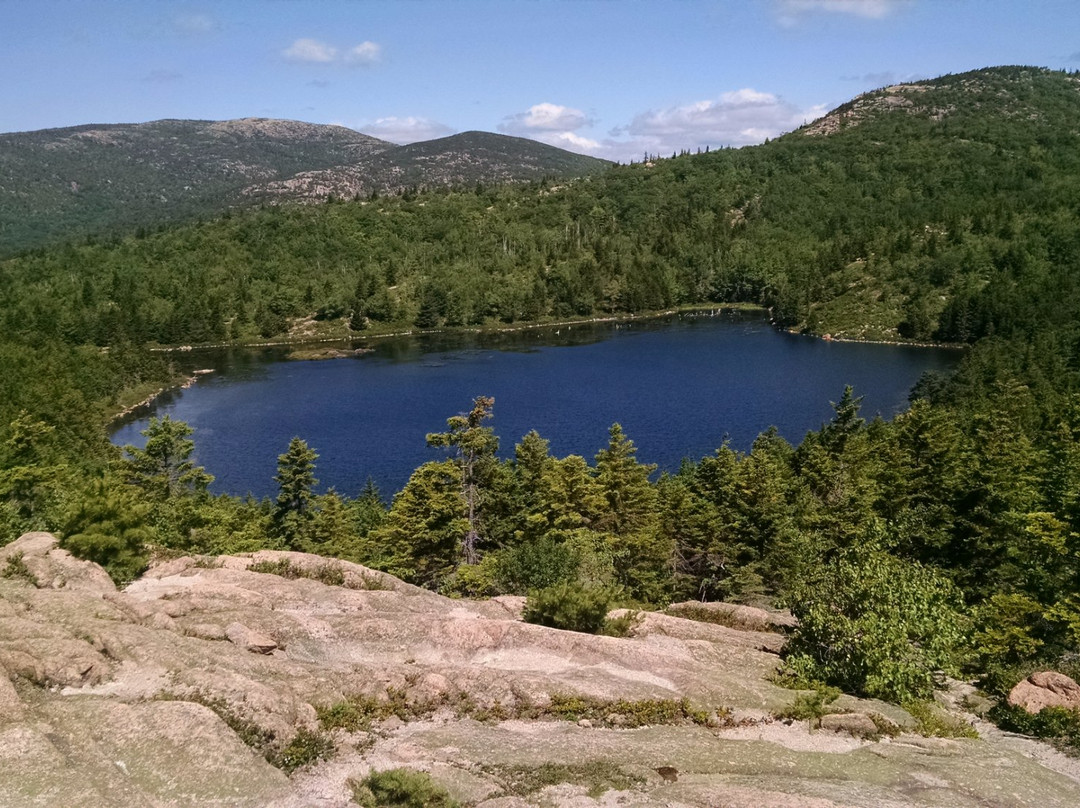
16, 569
401, 788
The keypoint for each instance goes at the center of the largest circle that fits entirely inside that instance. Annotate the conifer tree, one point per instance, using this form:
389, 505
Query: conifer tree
164, 468
296, 480
475, 448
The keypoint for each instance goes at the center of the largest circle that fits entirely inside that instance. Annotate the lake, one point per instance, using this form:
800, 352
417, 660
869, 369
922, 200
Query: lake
680, 387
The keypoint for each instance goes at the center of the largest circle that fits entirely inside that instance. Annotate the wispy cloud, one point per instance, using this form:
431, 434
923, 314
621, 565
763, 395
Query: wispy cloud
883, 78
409, 129
738, 118
310, 50
366, 53
315, 51
791, 12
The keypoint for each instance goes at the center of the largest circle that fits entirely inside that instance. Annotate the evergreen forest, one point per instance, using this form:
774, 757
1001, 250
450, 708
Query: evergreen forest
944, 541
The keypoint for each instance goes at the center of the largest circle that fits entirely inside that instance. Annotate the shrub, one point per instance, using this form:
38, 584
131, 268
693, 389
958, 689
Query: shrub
16, 568
934, 722
597, 775
569, 606
875, 625
305, 748
811, 706
536, 565
401, 788
1055, 724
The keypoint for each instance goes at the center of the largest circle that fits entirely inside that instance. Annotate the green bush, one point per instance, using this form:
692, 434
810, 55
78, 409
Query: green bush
536, 565
1055, 724
569, 606
811, 706
16, 568
875, 625
401, 788
305, 748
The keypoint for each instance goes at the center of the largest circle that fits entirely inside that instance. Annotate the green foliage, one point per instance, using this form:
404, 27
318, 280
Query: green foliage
933, 722
569, 606
811, 706
1056, 724
327, 573
623, 625
164, 466
629, 713
874, 625
15, 568
401, 788
305, 748
108, 525
474, 447
597, 776
296, 480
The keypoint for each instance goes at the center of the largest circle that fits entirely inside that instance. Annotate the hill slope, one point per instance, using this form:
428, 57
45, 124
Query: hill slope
458, 160
106, 179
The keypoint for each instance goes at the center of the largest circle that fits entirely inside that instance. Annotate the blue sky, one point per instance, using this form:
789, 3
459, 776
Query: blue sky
613, 78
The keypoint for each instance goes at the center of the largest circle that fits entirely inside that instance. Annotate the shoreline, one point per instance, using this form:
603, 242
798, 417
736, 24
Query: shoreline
299, 343
952, 346
183, 384
507, 329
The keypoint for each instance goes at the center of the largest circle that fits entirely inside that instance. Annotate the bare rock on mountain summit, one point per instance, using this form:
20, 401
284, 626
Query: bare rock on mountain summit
153, 696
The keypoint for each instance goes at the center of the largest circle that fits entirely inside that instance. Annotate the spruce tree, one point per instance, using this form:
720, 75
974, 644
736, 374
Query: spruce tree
295, 479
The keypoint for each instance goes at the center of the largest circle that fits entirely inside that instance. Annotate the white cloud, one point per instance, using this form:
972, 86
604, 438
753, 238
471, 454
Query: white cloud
555, 125
314, 51
409, 129
310, 50
545, 117
365, 53
737, 118
789, 12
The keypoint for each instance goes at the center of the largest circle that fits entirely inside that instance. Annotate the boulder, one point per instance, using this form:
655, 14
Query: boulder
1046, 689
54, 568
858, 724
257, 643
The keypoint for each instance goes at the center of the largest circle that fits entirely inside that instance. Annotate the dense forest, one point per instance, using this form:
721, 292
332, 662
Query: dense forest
945, 540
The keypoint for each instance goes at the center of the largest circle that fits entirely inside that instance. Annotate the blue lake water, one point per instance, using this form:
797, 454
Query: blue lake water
679, 387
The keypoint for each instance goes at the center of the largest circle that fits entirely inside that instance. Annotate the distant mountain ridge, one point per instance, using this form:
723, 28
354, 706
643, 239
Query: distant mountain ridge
56, 184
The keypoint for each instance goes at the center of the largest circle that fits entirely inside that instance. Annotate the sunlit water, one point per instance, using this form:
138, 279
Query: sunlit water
679, 387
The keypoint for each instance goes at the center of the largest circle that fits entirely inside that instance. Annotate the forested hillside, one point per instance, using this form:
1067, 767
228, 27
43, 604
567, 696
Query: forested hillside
110, 180
946, 540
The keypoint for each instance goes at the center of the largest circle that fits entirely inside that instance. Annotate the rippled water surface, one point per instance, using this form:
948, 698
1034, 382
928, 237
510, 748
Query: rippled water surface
679, 387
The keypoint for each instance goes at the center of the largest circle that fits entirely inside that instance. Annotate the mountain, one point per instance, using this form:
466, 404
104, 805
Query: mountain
111, 179
459, 160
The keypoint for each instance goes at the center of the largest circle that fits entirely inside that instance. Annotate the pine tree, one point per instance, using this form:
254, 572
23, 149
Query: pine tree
475, 448
296, 480
164, 467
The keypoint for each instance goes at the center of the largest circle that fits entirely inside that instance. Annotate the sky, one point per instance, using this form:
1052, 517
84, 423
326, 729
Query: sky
616, 79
